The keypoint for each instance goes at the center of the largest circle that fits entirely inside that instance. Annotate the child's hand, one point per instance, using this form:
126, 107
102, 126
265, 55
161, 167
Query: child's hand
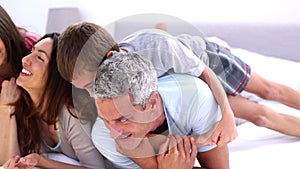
9, 92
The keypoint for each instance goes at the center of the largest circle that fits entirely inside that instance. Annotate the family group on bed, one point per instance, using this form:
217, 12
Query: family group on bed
152, 100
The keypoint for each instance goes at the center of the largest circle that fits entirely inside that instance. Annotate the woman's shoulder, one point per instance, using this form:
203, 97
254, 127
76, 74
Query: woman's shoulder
71, 121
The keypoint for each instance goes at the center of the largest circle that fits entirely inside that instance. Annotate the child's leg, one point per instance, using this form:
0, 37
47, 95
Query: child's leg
264, 116
273, 91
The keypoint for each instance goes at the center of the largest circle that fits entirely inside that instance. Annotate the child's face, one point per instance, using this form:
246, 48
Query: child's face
3, 54
85, 80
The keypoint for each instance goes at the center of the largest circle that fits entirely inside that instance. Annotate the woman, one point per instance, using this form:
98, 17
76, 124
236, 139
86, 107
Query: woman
45, 110
15, 42
12, 47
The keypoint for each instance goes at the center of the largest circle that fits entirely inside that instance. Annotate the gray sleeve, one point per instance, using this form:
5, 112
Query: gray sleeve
165, 52
198, 44
78, 142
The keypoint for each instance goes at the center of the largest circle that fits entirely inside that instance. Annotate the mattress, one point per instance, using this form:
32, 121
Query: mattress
258, 147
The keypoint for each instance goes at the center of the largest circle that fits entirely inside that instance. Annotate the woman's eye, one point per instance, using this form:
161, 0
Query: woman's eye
40, 58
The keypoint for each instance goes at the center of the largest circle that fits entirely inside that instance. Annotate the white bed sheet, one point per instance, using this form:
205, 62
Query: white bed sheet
258, 147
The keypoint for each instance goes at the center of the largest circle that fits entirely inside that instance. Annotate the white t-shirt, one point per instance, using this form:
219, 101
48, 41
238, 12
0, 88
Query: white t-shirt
190, 109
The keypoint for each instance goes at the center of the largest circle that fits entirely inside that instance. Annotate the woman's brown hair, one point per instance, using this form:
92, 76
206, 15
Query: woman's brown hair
13, 42
57, 93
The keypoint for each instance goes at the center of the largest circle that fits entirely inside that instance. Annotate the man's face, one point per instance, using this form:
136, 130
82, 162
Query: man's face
128, 124
85, 80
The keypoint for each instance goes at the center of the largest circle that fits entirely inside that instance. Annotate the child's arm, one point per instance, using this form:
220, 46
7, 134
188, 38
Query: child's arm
226, 129
8, 125
8, 135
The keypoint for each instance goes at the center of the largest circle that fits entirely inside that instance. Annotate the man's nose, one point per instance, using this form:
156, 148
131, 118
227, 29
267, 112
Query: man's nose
115, 130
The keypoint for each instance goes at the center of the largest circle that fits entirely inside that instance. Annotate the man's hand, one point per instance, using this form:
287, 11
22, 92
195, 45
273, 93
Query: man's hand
177, 152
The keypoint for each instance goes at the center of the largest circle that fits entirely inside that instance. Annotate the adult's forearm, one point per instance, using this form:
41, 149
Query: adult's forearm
47, 163
147, 162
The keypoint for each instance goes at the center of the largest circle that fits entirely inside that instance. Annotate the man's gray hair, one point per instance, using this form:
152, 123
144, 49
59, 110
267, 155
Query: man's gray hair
125, 73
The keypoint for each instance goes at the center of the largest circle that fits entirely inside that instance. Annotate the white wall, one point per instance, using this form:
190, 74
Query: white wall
32, 14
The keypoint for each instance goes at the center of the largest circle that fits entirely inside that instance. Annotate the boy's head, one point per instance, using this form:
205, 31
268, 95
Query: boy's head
81, 48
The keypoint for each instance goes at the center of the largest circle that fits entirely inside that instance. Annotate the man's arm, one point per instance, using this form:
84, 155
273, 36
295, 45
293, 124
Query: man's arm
226, 129
143, 155
217, 158
174, 151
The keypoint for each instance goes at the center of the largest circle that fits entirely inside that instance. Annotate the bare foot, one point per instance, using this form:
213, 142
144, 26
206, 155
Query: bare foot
161, 26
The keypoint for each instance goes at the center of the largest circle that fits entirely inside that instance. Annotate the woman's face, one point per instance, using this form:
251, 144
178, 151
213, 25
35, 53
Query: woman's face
3, 54
34, 73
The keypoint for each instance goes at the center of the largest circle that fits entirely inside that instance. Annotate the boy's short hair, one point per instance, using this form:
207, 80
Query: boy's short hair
83, 46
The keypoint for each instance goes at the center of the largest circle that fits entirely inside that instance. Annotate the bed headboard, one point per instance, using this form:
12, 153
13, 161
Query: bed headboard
279, 40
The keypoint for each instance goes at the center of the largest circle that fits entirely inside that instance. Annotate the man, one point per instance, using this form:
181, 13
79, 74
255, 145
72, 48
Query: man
79, 61
139, 110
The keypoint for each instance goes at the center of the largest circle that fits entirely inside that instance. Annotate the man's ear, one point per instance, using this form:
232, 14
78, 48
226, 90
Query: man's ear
154, 100
109, 54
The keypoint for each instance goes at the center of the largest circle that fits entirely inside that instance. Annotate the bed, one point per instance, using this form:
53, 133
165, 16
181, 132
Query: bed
258, 147
272, 51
